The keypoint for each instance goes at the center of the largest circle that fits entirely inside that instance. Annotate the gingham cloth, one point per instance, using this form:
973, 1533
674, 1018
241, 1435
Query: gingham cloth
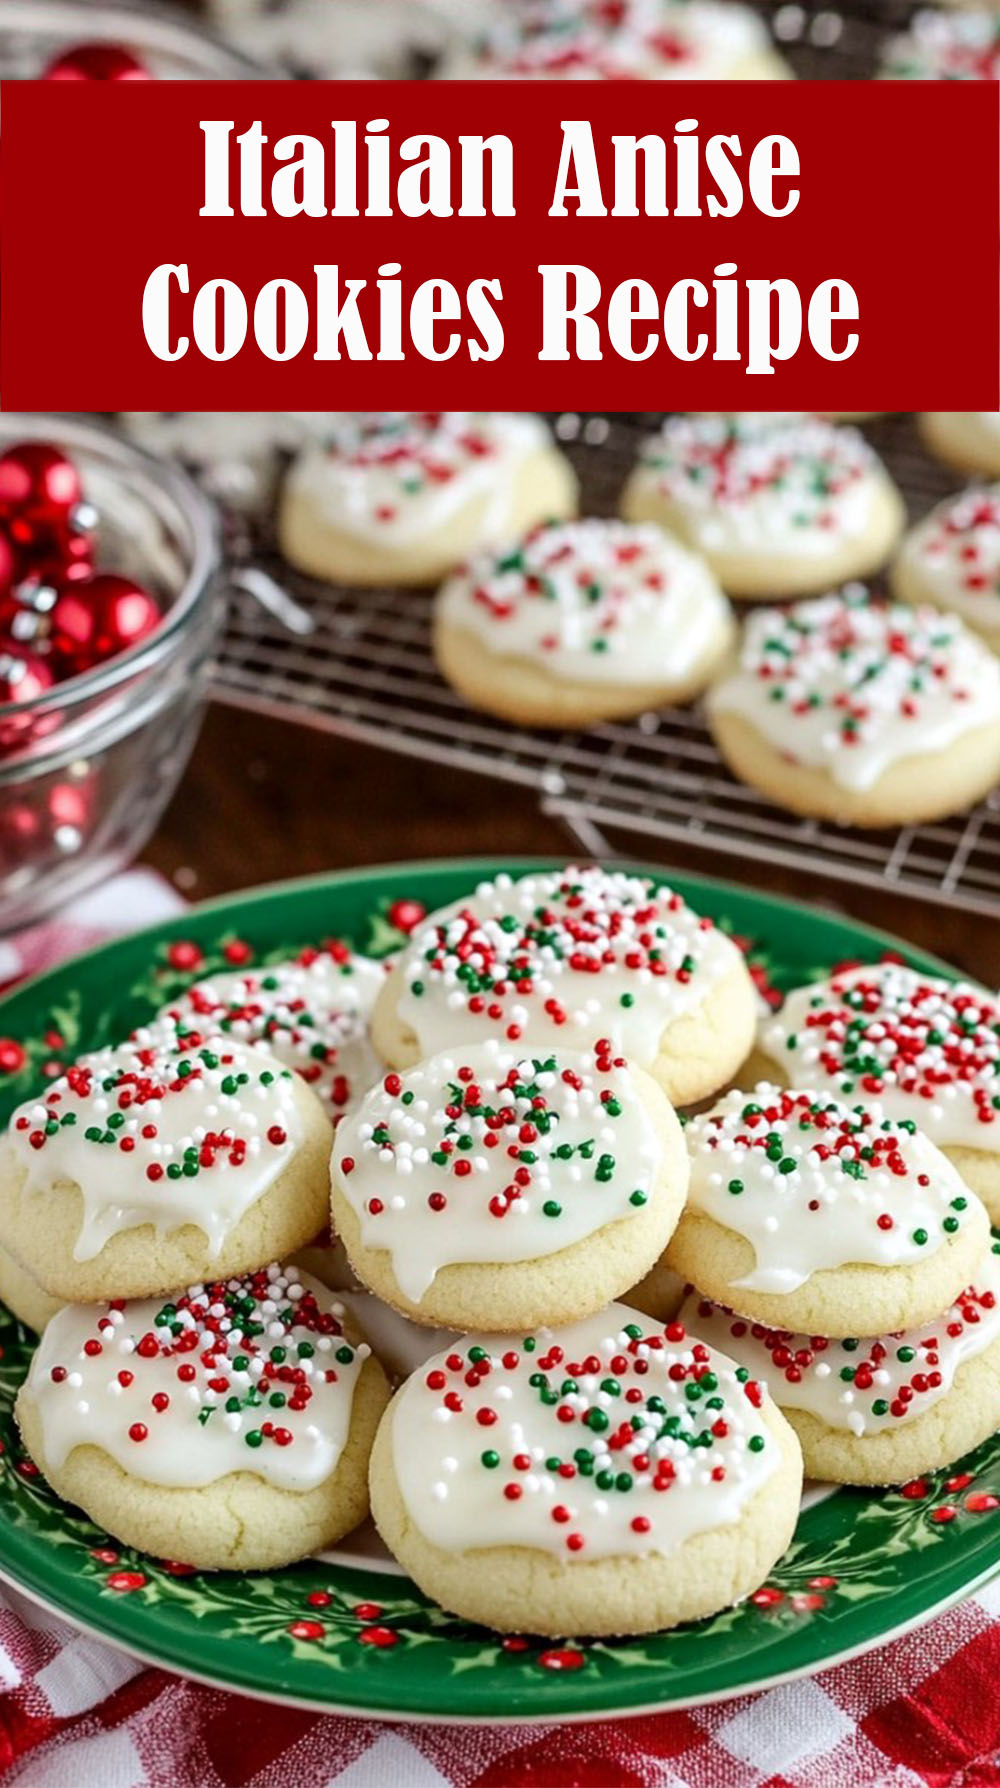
74, 1713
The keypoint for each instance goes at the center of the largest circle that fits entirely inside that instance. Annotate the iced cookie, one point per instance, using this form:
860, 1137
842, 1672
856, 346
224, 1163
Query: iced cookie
872, 714
147, 1165
927, 1049
969, 440
228, 1428
780, 505
883, 1410
654, 40
579, 622
566, 958
612, 1477
964, 46
312, 1013
485, 1188
23, 1295
951, 560
404, 496
813, 1214
337, 39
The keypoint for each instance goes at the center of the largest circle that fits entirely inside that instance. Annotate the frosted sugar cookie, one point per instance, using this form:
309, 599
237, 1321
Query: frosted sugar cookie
927, 1049
489, 1188
859, 711
611, 1477
951, 559
780, 505
159, 1159
564, 959
969, 440
824, 1216
883, 1410
655, 40
228, 1428
23, 1295
964, 46
403, 496
312, 1013
581, 621
337, 39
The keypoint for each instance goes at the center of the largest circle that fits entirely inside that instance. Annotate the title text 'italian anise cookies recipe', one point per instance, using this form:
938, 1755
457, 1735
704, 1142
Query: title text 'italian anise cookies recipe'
612, 1477
566, 959
927, 1049
404, 496
229, 1427
836, 1219
162, 1161
854, 710
881, 1409
778, 504
581, 622
485, 1188
951, 559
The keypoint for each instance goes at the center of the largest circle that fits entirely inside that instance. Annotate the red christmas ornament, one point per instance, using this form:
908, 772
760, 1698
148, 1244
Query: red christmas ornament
96, 62
39, 490
8, 566
98, 617
23, 676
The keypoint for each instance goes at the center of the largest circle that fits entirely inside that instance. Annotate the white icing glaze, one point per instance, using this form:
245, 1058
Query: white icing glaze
484, 1155
531, 959
151, 1382
595, 601
925, 1048
780, 484
395, 476
814, 1184
861, 1387
850, 685
592, 40
648, 1491
155, 1132
955, 554
341, 39
959, 46
312, 1014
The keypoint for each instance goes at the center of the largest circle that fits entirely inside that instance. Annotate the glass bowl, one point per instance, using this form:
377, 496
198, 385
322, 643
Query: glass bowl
87, 768
171, 44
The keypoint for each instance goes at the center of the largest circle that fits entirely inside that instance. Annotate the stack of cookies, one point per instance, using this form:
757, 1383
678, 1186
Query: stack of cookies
648, 1324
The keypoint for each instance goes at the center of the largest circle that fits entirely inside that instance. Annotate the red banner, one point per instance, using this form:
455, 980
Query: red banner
630, 245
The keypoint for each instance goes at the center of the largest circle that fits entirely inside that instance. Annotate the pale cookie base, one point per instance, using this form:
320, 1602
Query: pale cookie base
545, 489
529, 694
979, 1168
41, 1228
854, 1299
907, 585
505, 1296
659, 1295
239, 1523
517, 1589
959, 1421
698, 1053
956, 437
926, 786
755, 576
23, 1295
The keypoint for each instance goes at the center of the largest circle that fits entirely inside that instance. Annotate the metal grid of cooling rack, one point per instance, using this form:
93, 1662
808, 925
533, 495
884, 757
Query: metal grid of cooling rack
360, 663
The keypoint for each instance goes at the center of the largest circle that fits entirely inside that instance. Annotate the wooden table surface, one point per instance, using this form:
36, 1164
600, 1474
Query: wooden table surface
263, 800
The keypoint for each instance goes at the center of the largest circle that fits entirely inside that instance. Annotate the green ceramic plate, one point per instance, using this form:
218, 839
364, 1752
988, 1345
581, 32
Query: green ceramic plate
355, 1636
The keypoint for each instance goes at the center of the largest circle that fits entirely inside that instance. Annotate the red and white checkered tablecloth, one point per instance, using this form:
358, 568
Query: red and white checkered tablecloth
922, 1713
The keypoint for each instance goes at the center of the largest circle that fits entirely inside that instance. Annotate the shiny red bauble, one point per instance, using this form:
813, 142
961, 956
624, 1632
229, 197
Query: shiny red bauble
23, 677
98, 617
96, 62
39, 490
8, 566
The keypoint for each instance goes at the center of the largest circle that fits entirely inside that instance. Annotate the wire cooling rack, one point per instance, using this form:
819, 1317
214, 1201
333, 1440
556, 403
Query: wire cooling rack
359, 662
